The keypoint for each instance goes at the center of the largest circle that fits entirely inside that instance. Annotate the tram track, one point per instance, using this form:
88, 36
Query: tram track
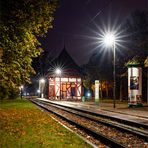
112, 142
113, 118
139, 132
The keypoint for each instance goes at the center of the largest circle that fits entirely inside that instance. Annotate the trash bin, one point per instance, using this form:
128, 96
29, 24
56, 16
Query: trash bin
83, 99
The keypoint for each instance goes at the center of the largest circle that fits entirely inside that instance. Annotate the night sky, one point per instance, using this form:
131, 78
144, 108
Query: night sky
75, 24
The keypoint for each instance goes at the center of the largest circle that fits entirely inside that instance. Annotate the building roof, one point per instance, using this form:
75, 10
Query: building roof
67, 65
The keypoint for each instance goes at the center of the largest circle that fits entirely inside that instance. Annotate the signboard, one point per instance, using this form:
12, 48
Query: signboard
97, 91
134, 85
134, 82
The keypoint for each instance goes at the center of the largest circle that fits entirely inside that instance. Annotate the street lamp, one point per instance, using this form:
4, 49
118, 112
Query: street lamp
58, 72
38, 92
41, 86
109, 40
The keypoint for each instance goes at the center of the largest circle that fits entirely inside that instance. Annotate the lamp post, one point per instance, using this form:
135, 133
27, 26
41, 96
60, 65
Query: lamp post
109, 40
58, 72
41, 87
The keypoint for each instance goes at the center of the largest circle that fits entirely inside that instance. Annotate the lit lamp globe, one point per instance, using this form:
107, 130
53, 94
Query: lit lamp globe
42, 80
38, 91
58, 71
109, 39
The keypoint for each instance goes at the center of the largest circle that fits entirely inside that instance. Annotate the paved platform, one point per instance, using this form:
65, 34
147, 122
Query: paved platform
120, 108
122, 111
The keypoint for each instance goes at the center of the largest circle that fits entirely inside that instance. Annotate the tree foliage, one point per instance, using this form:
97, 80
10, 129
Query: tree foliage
137, 30
41, 63
99, 67
146, 62
21, 22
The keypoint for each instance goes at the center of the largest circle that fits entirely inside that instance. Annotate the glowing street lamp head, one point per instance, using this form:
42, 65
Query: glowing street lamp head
21, 87
42, 80
58, 71
38, 91
109, 39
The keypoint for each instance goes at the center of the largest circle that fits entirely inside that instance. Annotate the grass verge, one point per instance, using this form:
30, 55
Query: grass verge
23, 125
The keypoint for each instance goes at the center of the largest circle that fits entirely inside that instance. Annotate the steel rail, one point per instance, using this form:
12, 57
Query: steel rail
124, 121
106, 140
115, 125
120, 127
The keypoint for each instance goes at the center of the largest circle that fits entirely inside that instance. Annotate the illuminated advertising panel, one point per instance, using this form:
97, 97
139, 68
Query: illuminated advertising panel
96, 90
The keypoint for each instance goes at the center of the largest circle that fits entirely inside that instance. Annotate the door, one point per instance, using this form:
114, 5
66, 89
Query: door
51, 91
73, 91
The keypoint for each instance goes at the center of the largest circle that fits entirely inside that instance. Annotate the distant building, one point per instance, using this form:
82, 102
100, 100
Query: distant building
64, 78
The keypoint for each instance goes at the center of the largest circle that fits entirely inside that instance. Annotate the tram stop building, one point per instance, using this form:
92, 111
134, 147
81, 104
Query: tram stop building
67, 84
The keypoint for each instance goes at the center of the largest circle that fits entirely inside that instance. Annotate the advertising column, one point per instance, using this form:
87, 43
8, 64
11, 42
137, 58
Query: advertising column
134, 85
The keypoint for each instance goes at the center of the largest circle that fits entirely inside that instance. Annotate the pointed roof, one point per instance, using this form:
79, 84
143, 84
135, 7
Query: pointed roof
65, 62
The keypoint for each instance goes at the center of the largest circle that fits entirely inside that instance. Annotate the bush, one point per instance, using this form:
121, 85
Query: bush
6, 93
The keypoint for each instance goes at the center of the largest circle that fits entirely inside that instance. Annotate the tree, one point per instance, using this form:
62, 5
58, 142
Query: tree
137, 30
41, 66
41, 63
21, 22
99, 67
136, 27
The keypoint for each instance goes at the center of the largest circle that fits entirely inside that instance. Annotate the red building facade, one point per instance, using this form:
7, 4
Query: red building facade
67, 85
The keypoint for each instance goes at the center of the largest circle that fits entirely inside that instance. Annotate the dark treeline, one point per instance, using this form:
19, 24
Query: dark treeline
100, 65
